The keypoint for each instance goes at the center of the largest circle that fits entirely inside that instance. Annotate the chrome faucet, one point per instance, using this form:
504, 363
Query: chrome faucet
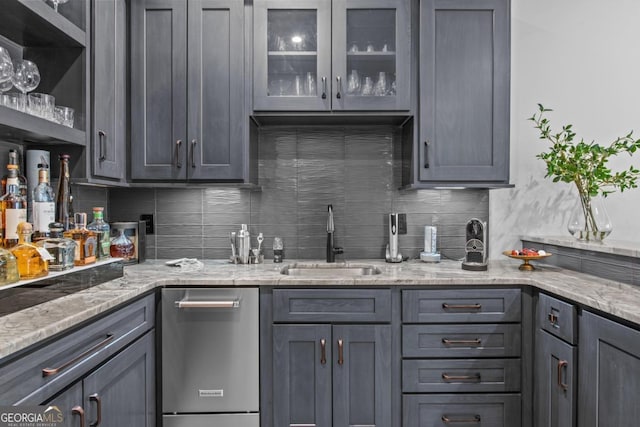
331, 250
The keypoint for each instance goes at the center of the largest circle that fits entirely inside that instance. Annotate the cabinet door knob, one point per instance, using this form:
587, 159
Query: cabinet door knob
193, 155
95, 398
323, 351
324, 88
102, 136
178, 161
78, 410
339, 82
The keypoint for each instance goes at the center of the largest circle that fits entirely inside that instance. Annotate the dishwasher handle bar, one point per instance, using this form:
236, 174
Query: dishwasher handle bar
208, 304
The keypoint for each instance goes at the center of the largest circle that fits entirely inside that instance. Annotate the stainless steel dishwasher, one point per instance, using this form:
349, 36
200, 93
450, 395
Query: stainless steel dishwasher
210, 357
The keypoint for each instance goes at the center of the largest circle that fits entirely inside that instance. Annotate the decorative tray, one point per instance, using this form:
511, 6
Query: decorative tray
526, 266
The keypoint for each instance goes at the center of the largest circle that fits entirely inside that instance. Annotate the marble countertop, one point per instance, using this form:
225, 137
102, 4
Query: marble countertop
29, 326
615, 247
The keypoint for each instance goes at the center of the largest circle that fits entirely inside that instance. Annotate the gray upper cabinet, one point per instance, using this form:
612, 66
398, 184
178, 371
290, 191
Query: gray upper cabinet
317, 55
109, 77
608, 373
187, 90
464, 91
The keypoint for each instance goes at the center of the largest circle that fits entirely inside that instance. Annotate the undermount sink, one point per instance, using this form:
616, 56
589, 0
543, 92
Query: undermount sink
334, 270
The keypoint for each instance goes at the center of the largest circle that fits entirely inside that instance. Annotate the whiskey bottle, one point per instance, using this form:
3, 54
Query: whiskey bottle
103, 232
122, 247
14, 209
62, 250
32, 260
22, 180
44, 208
86, 242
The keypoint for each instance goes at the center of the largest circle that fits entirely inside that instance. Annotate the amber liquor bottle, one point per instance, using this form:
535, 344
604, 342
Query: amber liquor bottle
14, 208
32, 261
86, 241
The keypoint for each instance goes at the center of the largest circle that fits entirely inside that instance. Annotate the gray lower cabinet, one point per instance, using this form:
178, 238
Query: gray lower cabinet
109, 84
187, 103
328, 375
608, 373
464, 91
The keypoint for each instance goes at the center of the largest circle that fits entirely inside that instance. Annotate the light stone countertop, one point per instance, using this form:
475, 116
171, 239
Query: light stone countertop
615, 247
32, 325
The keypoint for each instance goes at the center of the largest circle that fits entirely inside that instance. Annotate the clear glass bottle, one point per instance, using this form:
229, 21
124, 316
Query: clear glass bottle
62, 250
44, 208
14, 209
103, 232
86, 241
122, 247
8, 268
30, 258
22, 180
64, 200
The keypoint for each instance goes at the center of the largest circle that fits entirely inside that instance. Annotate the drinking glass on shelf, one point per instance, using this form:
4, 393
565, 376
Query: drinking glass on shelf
370, 47
64, 116
57, 2
26, 78
41, 105
298, 86
310, 85
353, 47
5, 86
367, 87
353, 83
11, 100
6, 66
380, 88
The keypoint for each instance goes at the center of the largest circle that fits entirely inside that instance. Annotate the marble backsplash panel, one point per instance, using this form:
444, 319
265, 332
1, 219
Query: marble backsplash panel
301, 171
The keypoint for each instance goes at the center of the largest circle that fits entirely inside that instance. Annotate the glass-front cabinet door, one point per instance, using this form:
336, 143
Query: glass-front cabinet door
292, 55
319, 55
371, 55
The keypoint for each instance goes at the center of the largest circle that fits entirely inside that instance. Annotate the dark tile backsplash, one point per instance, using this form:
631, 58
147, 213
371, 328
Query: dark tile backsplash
302, 170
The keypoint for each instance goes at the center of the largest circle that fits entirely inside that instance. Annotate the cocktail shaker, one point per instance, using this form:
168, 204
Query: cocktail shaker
244, 244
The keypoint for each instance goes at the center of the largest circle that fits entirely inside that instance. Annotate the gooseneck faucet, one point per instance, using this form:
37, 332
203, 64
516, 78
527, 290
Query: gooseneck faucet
331, 250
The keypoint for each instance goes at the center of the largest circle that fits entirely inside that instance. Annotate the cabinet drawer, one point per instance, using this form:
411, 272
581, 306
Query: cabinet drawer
461, 305
454, 376
558, 318
461, 410
69, 357
331, 305
461, 340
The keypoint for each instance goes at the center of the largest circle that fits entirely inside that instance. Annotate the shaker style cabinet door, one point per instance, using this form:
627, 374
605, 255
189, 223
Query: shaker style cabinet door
464, 91
609, 373
109, 75
158, 89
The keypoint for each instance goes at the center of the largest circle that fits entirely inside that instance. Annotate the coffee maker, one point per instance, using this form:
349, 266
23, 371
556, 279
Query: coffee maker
476, 248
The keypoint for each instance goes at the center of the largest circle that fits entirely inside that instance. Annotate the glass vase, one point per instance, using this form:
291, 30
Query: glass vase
589, 220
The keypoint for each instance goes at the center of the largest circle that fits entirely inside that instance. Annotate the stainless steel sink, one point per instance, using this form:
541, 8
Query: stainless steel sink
326, 270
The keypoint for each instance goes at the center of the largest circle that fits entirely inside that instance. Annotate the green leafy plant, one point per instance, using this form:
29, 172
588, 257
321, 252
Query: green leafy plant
585, 163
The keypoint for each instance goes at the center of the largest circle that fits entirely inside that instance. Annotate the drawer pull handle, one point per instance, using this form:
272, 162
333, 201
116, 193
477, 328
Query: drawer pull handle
447, 420
95, 398
53, 371
449, 378
78, 410
553, 319
475, 342
447, 306
340, 352
208, 304
562, 365
323, 351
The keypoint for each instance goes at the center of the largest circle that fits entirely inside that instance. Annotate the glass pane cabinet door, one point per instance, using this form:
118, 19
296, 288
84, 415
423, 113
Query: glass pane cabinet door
371, 55
292, 55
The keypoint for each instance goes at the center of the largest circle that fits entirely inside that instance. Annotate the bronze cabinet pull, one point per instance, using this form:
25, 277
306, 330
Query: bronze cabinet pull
447, 306
78, 410
193, 151
475, 377
447, 420
102, 135
178, 161
95, 398
340, 352
323, 351
53, 371
553, 319
474, 342
562, 364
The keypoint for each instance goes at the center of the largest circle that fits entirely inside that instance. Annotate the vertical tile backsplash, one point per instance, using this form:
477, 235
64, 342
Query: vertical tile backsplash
302, 170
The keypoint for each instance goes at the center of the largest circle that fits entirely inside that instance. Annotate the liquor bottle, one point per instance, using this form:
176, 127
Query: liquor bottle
122, 247
22, 180
86, 242
62, 250
64, 206
103, 232
8, 268
32, 261
43, 206
14, 209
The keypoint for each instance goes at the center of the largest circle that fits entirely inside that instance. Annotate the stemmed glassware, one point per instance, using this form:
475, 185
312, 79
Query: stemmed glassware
26, 78
6, 66
57, 2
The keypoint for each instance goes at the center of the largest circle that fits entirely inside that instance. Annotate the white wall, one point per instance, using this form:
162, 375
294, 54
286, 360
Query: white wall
582, 59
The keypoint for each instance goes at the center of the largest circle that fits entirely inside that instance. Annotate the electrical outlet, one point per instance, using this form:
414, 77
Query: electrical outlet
148, 218
402, 223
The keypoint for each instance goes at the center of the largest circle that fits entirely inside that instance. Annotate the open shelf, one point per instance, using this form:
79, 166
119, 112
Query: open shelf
22, 127
34, 23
